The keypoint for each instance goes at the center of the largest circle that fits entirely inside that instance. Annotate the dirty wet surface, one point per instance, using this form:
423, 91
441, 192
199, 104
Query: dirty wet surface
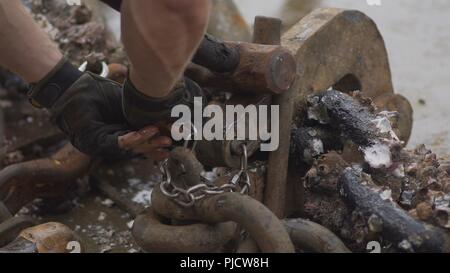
96, 219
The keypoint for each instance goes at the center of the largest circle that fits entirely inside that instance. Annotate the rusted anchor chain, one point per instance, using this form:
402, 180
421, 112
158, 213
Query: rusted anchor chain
306, 236
248, 245
50, 177
153, 235
309, 236
396, 225
258, 220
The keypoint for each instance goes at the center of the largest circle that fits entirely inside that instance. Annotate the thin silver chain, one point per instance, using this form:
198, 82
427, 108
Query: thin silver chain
188, 197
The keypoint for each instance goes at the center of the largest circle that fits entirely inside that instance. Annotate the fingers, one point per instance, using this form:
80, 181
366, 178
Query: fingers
156, 144
146, 142
134, 139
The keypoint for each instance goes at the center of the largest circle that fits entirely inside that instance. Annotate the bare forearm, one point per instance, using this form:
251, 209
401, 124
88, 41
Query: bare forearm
160, 37
25, 49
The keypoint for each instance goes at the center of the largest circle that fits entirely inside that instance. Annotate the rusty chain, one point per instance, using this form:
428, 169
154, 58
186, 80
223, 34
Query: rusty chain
188, 197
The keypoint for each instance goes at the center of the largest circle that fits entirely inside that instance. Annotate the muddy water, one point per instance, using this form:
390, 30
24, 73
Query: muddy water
417, 36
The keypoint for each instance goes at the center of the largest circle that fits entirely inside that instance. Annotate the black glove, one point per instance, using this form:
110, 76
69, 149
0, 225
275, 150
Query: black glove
141, 110
86, 107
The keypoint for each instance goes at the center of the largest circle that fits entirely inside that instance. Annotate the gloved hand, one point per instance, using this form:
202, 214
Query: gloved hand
88, 109
146, 142
141, 110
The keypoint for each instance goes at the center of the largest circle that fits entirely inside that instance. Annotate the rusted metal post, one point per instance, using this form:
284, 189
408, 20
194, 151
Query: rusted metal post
2, 137
268, 31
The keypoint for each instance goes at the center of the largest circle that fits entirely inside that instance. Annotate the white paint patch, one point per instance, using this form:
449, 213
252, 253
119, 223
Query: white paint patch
378, 156
212, 175
143, 197
399, 172
133, 182
102, 216
108, 203
318, 146
383, 124
386, 195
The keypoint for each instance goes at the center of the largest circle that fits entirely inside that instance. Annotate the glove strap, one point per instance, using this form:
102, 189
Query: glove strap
46, 92
141, 111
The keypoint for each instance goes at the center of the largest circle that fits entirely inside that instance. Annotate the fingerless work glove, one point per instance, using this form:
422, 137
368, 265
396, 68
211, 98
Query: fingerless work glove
141, 110
94, 112
86, 107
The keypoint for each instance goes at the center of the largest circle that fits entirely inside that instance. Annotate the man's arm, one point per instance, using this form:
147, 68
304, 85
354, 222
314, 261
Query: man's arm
161, 37
25, 49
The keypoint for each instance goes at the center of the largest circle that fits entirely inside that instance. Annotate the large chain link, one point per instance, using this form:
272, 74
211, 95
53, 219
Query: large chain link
188, 197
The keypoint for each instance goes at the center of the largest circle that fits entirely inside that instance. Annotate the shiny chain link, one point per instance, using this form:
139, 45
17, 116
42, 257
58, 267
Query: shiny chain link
188, 197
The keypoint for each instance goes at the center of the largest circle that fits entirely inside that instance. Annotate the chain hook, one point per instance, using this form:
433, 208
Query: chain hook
244, 158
